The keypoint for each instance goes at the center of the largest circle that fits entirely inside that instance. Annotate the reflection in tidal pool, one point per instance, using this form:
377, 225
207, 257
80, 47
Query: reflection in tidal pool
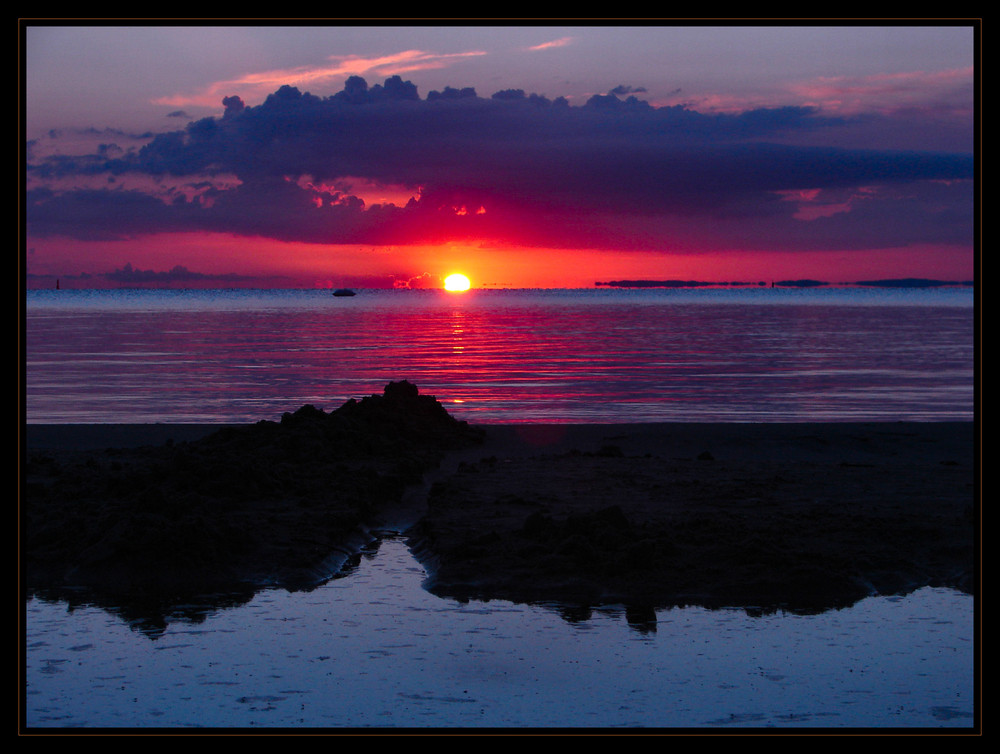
375, 649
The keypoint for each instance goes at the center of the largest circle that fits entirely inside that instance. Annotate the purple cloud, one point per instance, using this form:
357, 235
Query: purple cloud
616, 173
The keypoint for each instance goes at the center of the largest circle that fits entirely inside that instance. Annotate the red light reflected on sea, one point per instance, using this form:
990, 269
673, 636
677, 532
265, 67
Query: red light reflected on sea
493, 356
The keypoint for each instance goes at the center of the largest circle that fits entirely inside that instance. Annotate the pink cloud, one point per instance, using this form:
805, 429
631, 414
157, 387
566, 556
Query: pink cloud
812, 207
887, 92
561, 42
254, 87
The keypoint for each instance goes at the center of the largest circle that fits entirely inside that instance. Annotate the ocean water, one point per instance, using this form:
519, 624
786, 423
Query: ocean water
606, 356
372, 649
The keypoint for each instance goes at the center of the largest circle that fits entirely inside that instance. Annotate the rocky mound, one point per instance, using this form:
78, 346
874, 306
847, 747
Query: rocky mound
269, 503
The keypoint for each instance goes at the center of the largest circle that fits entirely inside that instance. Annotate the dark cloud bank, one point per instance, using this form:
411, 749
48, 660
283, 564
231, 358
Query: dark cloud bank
614, 173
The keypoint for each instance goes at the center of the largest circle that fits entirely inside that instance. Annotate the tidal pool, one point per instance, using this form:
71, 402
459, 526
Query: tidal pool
373, 649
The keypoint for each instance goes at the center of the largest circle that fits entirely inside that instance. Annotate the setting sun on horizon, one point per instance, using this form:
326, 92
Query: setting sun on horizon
457, 283
274, 173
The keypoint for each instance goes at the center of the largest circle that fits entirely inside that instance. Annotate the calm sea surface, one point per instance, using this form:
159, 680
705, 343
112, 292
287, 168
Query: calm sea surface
504, 356
373, 649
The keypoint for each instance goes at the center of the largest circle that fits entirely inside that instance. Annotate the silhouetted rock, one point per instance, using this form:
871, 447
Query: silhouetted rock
269, 503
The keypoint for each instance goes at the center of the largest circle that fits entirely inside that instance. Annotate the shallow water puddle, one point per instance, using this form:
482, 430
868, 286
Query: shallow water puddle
375, 649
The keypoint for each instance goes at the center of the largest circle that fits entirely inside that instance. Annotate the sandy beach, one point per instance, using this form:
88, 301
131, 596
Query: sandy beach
762, 516
798, 516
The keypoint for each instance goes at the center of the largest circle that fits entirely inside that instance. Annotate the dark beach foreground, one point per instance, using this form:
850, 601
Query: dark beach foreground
800, 517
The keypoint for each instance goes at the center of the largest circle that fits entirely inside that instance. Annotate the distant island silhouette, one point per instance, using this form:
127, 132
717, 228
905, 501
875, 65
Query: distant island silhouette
805, 283
913, 283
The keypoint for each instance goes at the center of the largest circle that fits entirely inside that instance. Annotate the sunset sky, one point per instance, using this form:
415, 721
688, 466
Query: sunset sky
520, 155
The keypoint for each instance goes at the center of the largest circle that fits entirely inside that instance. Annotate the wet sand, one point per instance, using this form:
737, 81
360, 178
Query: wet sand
763, 516
793, 516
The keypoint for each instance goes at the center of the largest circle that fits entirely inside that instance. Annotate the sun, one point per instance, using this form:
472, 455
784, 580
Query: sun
457, 282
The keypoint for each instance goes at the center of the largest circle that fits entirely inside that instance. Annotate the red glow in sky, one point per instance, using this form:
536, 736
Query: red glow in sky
393, 165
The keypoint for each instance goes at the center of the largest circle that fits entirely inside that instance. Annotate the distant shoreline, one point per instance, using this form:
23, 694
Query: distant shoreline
804, 283
49, 283
98, 436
